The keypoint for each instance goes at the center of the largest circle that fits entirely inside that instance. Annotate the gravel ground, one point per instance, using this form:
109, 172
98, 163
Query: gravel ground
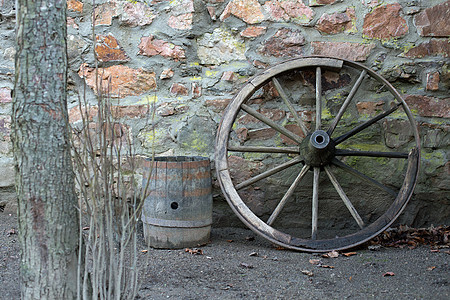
239, 265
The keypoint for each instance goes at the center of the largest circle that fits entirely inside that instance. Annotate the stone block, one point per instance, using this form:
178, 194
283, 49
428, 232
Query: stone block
285, 42
104, 13
434, 47
108, 49
219, 47
320, 2
137, 14
250, 11
196, 90
179, 89
345, 50
149, 46
432, 81
294, 11
429, 106
119, 81
5, 95
181, 22
434, 21
74, 5
166, 74
337, 22
5, 128
253, 31
385, 23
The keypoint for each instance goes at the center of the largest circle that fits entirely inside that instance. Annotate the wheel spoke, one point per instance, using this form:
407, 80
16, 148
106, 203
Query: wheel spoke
346, 102
288, 194
315, 203
366, 124
344, 152
290, 150
344, 197
271, 123
288, 103
268, 173
360, 175
318, 98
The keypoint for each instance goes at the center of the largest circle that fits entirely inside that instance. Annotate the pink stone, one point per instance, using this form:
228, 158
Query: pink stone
166, 74
150, 46
253, 31
429, 106
179, 89
289, 10
89, 113
273, 114
5, 95
218, 105
295, 129
196, 90
107, 48
104, 13
74, 5
71, 22
165, 109
320, 2
250, 11
385, 22
129, 111
119, 81
433, 81
434, 21
337, 22
212, 12
432, 48
285, 42
5, 128
181, 22
345, 50
137, 14
369, 108
262, 134
228, 76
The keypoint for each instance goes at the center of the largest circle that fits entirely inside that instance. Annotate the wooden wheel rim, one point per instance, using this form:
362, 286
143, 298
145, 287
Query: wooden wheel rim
277, 236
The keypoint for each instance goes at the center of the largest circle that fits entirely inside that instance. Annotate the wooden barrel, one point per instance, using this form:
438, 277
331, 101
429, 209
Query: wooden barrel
178, 211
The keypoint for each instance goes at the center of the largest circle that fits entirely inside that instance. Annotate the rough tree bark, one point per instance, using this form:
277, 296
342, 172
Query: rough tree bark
48, 227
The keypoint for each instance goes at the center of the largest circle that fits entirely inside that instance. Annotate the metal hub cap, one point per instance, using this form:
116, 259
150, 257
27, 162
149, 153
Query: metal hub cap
317, 149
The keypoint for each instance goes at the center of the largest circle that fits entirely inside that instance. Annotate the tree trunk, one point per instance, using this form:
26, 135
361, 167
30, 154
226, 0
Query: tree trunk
48, 219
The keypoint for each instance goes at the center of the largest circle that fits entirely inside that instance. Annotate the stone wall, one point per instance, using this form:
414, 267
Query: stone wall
189, 57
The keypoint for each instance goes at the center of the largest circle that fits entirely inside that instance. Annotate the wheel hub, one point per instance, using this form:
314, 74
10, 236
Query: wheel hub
317, 149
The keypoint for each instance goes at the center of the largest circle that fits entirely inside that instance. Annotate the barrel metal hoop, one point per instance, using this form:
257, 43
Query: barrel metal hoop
176, 223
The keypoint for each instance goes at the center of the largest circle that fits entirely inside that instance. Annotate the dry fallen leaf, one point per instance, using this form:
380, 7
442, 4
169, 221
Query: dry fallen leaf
194, 251
144, 251
326, 266
229, 241
308, 273
431, 268
349, 254
314, 261
388, 274
332, 254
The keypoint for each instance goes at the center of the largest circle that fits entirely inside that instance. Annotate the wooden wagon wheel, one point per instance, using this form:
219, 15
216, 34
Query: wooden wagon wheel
267, 149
